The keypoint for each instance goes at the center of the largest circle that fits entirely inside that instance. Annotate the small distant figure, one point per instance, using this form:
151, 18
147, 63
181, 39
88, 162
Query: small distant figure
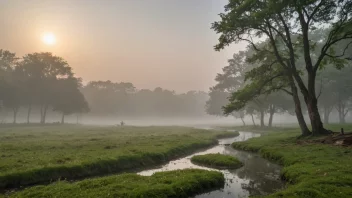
122, 123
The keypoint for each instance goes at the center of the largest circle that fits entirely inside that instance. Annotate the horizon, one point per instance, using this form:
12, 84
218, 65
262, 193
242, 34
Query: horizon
105, 42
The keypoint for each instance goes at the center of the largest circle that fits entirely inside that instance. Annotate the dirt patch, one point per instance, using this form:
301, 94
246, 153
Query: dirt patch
338, 139
335, 138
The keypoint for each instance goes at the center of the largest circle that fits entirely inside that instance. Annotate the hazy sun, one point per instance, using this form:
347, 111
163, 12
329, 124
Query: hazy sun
49, 38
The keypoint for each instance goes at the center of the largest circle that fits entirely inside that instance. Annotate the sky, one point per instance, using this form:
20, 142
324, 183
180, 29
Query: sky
151, 43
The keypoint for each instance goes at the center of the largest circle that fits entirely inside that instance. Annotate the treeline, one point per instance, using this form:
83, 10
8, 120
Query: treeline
45, 83
232, 79
123, 99
39, 81
304, 53
334, 89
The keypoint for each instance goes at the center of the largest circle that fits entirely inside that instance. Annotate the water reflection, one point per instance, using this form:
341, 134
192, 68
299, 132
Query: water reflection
257, 177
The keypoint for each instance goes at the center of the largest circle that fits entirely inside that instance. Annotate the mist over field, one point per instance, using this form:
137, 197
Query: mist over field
175, 98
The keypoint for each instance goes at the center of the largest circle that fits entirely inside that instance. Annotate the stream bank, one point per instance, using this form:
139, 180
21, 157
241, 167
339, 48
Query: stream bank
258, 176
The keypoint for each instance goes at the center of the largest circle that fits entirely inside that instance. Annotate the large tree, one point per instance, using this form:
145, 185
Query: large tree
264, 78
42, 70
280, 22
10, 82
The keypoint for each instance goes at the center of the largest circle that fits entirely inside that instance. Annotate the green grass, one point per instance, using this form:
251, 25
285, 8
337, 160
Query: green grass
37, 154
180, 183
218, 161
311, 169
287, 128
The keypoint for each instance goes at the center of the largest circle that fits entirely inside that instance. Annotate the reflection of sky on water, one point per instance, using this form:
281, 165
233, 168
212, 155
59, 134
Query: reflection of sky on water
257, 177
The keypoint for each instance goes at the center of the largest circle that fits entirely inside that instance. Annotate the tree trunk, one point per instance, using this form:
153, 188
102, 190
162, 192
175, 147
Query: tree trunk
342, 119
309, 91
315, 120
327, 111
63, 118
341, 110
253, 120
29, 113
262, 114
41, 114
271, 113
43, 111
244, 124
15, 110
298, 109
292, 73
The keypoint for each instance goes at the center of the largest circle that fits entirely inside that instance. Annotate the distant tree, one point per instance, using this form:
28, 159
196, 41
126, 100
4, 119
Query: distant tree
69, 98
217, 99
230, 80
12, 98
250, 110
106, 97
261, 82
336, 92
191, 103
10, 86
279, 102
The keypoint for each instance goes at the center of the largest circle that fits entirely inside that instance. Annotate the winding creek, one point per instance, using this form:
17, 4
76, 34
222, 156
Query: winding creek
258, 176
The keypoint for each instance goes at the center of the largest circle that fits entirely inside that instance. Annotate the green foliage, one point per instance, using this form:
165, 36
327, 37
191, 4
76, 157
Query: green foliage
230, 80
288, 26
217, 161
179, 183
39, 79
312, 169
31, 155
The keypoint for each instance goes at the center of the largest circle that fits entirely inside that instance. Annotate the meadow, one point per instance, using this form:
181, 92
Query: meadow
179, 183
312, 169
43, 154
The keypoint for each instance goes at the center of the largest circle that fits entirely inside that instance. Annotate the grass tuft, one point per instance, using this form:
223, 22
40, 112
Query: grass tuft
218, 161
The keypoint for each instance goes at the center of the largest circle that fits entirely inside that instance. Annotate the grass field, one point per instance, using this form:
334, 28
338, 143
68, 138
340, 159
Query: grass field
312, 169
180, 183
37, 154
217, 161
288, 128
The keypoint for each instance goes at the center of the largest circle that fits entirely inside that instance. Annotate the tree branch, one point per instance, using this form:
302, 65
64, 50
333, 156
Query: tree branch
330, 41
321, 88
344, 51
250, 42
287, 91
278, 32
309, 18
346, 112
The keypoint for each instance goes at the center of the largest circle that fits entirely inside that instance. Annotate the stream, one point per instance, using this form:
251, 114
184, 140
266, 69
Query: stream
258, 176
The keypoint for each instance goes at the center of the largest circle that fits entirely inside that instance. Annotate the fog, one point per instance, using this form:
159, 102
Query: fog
149, 43
143, 63
98, 95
